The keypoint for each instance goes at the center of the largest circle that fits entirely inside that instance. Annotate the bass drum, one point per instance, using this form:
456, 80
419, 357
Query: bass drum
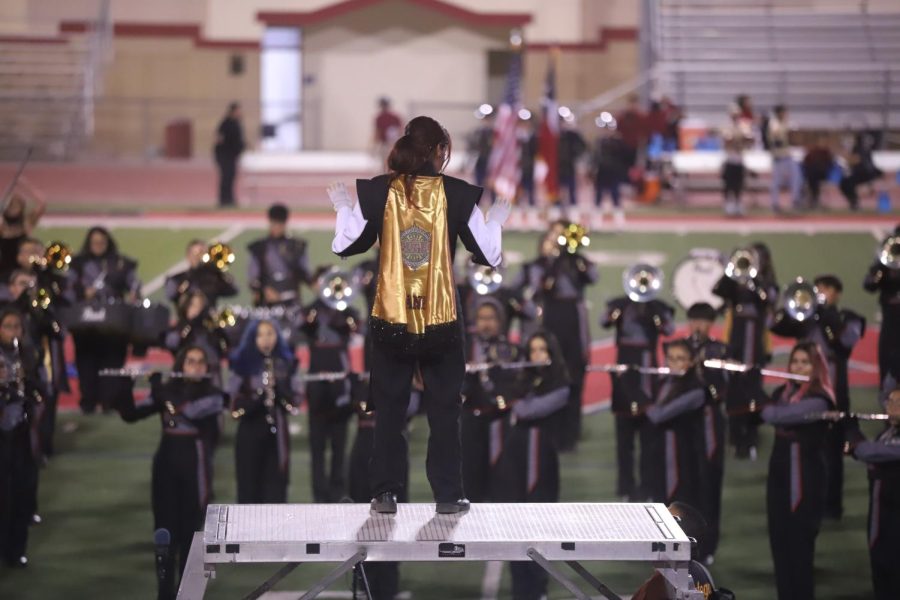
695, 277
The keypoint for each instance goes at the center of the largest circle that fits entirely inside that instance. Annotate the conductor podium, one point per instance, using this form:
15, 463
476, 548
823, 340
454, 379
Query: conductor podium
348, 534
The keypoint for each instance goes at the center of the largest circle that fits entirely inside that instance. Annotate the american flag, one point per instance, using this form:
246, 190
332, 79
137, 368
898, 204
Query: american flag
503, 164
548, 137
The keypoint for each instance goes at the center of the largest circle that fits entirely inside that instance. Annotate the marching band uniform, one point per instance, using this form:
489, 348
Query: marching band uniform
638, 327
882, 458
795, 490
328, 332
262, 395
201, 331
565, 316
418, 218
206, 278
183, 462
528, 467
712, 465
485, 393
678, 415
113, 277
21, 403
886, 282
512, 302
748, 308
836, 332
280, 263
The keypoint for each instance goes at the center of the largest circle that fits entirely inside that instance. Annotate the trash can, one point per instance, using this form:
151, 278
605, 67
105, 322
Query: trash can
178, 139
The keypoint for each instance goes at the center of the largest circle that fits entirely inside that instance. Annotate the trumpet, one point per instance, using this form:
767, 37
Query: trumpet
743, 266
642, 282
57, 257
218, 256
573, 237
801, 299
142, 373
889, 253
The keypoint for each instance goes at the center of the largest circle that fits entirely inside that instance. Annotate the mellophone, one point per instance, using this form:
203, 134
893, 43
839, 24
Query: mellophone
143, 323
710, 363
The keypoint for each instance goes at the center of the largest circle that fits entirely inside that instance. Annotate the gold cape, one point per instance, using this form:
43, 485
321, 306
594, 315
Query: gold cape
415, 297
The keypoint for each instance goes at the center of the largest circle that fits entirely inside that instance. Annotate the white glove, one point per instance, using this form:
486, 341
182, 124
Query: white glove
337, 193
499, 212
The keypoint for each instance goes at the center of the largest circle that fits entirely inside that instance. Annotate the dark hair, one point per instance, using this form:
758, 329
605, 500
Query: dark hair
185, 301
701, 310
232, 106
832, 281
555, 374
820, 381
415, 148
278, 213
679, 343
16, 273
246, 360
779, 109
195, 242
111, 246
766, 266
178, 365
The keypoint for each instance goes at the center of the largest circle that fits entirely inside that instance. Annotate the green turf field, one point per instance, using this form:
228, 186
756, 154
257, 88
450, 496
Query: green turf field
96, 538
95, 495
847, 255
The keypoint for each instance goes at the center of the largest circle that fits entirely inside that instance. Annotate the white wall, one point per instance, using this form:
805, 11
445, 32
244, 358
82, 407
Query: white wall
352, 61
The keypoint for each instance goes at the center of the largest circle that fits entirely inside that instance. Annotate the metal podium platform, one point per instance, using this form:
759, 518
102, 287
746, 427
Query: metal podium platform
350, 534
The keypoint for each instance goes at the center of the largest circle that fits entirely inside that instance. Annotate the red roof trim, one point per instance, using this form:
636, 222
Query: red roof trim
164, 30
300, 19
22, 39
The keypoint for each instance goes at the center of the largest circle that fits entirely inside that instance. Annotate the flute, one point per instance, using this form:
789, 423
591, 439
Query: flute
622, 368
737, 367
139, 373
837, 415
470, 368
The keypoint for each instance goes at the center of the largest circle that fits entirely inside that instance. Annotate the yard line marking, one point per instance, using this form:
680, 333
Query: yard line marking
157, 282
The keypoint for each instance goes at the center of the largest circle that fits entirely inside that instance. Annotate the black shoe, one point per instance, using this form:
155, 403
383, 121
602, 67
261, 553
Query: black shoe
451, 508
384, 503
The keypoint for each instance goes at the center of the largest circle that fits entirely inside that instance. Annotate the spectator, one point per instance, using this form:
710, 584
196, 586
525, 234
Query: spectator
817, 166
784, 169
387, 129
571, 147
632, 124
229, 146
862, 167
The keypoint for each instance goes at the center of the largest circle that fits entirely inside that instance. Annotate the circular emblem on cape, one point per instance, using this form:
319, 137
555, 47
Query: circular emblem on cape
415, 247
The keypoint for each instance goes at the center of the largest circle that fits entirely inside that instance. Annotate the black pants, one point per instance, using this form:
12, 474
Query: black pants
18, 484
834, 469
795, 496
227, 174
733, 180
328, 431
884, 536
712, 472
94, 352
475, 432
261, 467
569, 420
628, 429
390, 385
744, 389
180, 492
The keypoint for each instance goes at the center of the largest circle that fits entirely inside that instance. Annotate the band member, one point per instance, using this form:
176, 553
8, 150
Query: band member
511, 300
22, 386
562, 287
100, 275
328, 332
42, 330
836, 331
530, 278
189, 408
886, 282
882, 457
197, 327
213, 282
701, 317
486, 393
18, 222
638, 327
528, 469
262, 396
795, 489
278, 264
418, 214
748, 303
